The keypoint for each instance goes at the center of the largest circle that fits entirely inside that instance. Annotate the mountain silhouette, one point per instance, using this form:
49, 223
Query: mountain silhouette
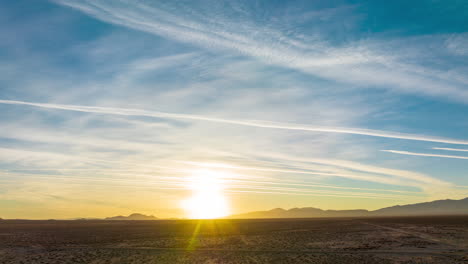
132, 217
439, 207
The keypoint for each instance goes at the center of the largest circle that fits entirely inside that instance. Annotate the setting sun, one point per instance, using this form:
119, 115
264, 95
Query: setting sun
208, 200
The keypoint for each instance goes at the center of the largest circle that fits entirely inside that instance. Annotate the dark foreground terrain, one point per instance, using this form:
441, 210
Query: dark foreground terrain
358, 240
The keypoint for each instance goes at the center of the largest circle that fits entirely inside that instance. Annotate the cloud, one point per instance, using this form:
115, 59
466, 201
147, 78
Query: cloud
451, 149
172, 172
179, 183
231, 72
458, 44
309, 171
256, 123
424, 154
365, 62
404, 177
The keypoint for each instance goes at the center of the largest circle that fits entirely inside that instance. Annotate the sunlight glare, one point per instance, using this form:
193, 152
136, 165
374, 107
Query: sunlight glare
208, 200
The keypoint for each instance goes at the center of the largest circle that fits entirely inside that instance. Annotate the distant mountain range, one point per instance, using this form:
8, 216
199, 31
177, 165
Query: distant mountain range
439, 207
132, 217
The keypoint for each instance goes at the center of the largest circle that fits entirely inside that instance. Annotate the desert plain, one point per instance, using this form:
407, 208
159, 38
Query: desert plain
429, 239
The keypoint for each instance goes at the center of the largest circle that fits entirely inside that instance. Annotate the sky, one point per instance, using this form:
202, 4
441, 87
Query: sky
110, 107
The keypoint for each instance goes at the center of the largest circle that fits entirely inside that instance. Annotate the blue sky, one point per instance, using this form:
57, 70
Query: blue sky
107, 106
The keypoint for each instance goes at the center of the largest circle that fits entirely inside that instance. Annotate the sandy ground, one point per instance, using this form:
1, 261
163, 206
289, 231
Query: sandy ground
358, 240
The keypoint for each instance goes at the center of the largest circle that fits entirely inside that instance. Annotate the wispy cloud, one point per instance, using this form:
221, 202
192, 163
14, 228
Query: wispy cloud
409, 178
282, 100
179, 183
256, 123
424, 154
310, 172
452, 149
363, 63
156, 171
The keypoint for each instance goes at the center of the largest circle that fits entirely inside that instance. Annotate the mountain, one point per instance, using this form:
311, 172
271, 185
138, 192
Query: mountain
440, 207
132, 217
302, 213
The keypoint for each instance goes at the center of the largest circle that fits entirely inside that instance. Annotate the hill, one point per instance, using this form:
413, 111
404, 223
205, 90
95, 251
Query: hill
132, 217
439, 207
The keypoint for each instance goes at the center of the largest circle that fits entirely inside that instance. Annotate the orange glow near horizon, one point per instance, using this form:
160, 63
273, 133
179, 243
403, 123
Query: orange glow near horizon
208, 200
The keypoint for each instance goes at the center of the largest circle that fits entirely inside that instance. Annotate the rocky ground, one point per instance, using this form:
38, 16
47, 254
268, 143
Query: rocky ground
358, 240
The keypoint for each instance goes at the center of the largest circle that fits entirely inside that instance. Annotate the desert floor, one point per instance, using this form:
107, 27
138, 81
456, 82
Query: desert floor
339, 240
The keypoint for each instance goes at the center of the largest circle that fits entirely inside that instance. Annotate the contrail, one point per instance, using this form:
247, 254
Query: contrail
451, 149
424, 154
256, 123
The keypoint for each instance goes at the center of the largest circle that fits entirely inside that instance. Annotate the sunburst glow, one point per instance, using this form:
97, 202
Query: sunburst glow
208, 200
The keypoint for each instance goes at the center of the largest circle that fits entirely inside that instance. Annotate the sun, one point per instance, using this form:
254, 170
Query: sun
208, 200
